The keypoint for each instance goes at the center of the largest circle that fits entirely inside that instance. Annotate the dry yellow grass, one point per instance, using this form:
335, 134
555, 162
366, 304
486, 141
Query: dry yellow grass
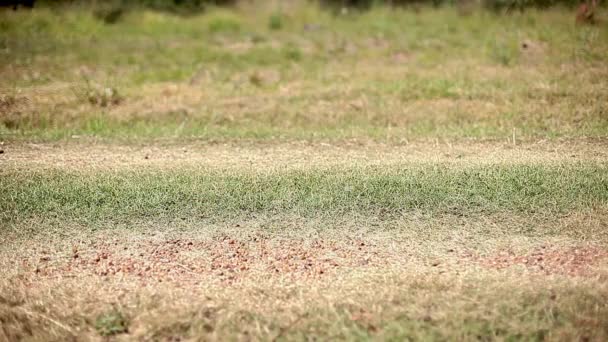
260, 156
289, 277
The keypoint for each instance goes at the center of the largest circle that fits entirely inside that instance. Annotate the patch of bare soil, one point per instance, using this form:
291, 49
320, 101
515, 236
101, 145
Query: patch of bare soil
571, 261
190, 261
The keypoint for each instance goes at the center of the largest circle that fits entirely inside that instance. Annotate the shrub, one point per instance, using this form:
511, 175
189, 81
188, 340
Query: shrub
275, 22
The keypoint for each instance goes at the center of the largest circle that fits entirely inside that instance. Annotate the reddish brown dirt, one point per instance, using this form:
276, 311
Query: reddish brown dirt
229, 260
572, 261
190, 261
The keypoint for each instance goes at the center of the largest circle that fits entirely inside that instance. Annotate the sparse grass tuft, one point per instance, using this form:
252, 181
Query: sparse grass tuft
505, 53
223, 22
111, 323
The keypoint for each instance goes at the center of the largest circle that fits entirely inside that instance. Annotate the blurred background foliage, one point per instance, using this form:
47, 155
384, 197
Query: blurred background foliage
113, 7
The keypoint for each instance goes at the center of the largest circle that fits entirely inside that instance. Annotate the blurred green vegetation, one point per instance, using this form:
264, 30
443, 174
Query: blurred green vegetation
177, 6
493, 4
298, 71
192, 6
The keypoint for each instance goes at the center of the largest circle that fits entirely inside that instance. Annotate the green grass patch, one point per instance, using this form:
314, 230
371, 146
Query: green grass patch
189, 194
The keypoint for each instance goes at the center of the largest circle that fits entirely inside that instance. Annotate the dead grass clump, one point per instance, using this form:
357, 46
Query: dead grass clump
585, 13
16, 325
11, 107
7, 102
19, 321
97, 94
103, 96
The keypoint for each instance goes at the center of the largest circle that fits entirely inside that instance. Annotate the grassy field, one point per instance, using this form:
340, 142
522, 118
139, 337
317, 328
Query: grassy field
275, 171
386, 74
